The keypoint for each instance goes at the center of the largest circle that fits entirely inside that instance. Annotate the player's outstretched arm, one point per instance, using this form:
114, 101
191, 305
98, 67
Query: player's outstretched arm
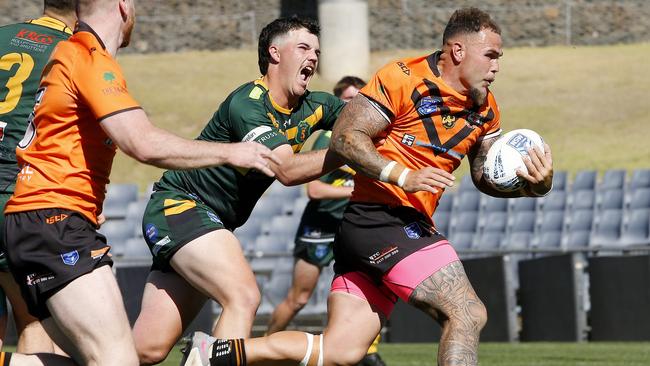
304, 167
317, 190
134, 134
352, 138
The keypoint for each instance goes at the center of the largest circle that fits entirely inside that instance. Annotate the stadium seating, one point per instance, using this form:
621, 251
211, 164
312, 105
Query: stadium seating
581, 199
640, 179
467, 201
613, 179
639, 198
118, 196
584, 179
441, 220
636, 228
556, 200
606, 228
522, 204
489, 203
560, 180
612, 198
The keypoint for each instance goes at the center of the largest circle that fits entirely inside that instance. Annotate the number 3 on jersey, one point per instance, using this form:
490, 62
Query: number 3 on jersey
15, 83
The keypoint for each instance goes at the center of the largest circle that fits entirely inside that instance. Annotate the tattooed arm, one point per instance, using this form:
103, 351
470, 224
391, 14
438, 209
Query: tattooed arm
352, 139
539, 176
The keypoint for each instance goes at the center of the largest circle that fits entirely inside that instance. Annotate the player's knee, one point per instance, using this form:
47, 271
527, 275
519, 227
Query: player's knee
341, 353
151, 354
245, 300
474, 313
298, 301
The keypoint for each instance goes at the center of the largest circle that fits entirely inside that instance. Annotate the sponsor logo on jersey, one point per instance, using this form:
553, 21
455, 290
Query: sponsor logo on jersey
256, 93
34, 36
408, 139
429, 105
56, 218
474, 119
413, 231
160, 244
448, 121
26, 173
36, 278
2, 130
109, 76
302, 132
256, 132
70, 258
214, 218
404, 68
321, 251
151, 232
383, 254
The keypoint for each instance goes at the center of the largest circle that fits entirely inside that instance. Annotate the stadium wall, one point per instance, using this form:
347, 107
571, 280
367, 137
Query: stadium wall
177, 25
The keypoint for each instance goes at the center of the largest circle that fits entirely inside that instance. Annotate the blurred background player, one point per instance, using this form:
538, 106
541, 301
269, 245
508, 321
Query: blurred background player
83, 112
387, 246
315, 235
24, 51
190, 217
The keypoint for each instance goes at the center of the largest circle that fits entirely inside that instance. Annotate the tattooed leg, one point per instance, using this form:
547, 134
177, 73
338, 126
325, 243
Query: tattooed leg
448, 297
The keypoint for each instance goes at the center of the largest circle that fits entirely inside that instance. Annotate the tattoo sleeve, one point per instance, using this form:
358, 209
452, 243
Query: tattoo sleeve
352, 137
477, 156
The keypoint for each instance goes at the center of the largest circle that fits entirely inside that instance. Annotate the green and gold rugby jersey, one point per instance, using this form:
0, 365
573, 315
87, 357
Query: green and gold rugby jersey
328, 211
25, 49
249, 114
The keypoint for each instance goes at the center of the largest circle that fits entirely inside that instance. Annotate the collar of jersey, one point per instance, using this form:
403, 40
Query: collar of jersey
275, 105
432, 60
83, 27
50, 22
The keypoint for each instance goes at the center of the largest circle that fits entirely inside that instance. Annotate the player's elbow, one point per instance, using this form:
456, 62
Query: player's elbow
287, 179
143, 153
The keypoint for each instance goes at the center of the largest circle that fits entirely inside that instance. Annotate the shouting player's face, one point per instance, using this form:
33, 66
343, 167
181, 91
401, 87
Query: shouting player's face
480, 65
299, 54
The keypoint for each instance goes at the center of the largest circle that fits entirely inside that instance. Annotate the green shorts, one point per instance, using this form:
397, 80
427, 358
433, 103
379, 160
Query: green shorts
314, 245
173, 219
4, 265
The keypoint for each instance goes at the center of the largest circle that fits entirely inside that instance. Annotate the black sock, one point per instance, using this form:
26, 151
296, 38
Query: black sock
228, 352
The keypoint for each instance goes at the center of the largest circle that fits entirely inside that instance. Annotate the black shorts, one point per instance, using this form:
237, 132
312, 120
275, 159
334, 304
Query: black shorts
49, 248
373, 238
314, 245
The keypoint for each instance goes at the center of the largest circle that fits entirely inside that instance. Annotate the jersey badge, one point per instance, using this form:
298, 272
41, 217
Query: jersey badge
70, 258
413, 231
429, 105
408, 140
255, 93
448, 121
302, 131
321, 251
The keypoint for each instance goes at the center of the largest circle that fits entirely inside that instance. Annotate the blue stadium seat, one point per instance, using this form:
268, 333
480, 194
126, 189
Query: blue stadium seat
462, 240
547, 240
556, 200
517, 240
136, 248
585, 179
267, 244
117, 231
639, 198
466, 184
581, 199
607, 228
441, 221
247, 233
118, 197
560, 180
282, 227
613, 179
609, 199
636, 227
640, 179
489, 203
266, 208
467, 201
488, 240
575, 239
523, 221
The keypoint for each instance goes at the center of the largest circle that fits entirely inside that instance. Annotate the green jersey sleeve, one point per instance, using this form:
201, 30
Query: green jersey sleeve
332, 106
250, 122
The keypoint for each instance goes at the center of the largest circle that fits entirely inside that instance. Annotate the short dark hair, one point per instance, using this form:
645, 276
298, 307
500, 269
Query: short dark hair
60, 5
279, 27
346, 82
468, 20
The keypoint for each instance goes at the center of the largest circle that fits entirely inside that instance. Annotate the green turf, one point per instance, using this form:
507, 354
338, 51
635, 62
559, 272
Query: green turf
515, 354
589, 103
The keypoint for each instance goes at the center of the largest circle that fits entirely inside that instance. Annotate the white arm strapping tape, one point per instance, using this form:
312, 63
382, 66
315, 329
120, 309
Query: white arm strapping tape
310, 344
385, 173
402, 177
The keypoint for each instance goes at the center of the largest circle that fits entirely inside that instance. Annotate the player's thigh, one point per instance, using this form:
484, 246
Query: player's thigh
15, 297
89, 311
169, 304
305, 278
351, 328
214, 263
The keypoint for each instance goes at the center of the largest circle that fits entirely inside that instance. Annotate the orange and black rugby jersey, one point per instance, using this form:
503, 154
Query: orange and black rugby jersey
430, 125
66, 157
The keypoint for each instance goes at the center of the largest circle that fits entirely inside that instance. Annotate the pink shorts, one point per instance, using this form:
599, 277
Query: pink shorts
399, 281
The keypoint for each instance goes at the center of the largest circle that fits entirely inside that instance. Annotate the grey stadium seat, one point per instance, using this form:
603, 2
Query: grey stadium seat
585, 179
521, 204
137, 248
466, 184
547, 240
577, 220
118, 197
446, 202
575, 239
441, 221
465, 222
640, 179
282, 226
495, 221
636, 227
523, 221
556, 200
551, 221
640, 198
607, 228
462, 240
581, 199
610, 199
490, 240
467, 201
613, 179
560, 180
489, 203
267, 244
278, 190
117, 231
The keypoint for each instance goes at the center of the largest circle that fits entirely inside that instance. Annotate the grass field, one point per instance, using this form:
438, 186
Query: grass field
515, 354
589, 103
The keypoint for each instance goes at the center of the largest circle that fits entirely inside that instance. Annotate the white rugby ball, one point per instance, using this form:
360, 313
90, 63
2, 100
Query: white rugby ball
505, 157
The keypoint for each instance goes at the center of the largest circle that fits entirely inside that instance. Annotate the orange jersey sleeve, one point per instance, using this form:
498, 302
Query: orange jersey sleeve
66, 157
430, 125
